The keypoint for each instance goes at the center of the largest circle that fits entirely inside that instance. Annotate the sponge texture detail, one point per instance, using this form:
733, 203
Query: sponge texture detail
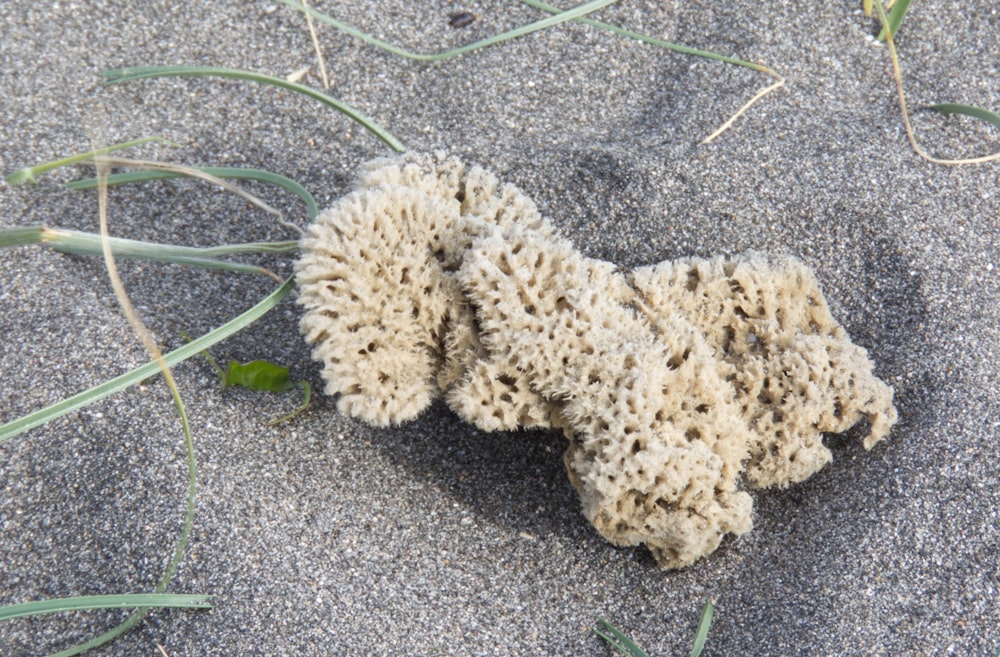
679, 386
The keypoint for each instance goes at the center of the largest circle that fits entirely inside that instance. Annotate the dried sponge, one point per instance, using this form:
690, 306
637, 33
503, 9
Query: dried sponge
797, 374
677, 385
383, 308
656, 444
376, 300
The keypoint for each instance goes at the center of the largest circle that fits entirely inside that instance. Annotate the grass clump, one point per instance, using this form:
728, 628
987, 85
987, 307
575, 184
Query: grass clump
625, 646
890, 24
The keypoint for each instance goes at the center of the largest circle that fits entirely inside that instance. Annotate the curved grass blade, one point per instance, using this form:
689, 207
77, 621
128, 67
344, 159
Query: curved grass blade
115, 76
234, 173
37, 418
122, 601
619, 641
968, 110
561, 17
306, 399
687, 50
147, 340
898, 77
79, 243
895, 18
28, 174
701, 634
779, 81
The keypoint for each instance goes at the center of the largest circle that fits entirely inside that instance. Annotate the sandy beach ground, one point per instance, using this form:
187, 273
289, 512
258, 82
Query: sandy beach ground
323, 536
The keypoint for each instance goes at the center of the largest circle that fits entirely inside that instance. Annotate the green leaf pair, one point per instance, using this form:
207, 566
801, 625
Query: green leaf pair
620, 642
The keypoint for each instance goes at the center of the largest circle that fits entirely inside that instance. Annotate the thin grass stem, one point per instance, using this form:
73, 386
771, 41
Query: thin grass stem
150, 344
686, 50
29, 174
202, 175
561, 17
316, 47
116, 76
967, 110
80, 243
895, 18
897, 74
619, 640
704, 623
120, 601
780, 81
143, 372
233, 173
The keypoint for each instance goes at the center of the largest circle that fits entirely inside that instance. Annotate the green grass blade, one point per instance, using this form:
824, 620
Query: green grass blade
37, 418
115, 76
968, 110
28, 174
306, 398
560, 17
20, 236
895, 18
234, 173
619, 641
704, 623
79, 243
89, 602
537, 4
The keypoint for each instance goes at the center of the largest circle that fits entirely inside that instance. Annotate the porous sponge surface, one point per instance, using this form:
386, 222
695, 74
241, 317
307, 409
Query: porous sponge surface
677, 385
796, 372
383, 308
655, 452
376, 300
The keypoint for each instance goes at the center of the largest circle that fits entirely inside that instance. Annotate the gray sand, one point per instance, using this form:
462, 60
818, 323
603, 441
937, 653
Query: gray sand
325, 537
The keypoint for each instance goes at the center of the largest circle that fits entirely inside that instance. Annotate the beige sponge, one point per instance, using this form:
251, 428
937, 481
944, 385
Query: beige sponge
383, 308
656, 441
376, 300
677, 385
797, 374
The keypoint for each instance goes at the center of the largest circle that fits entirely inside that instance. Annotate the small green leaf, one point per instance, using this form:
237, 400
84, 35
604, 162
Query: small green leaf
262, 375
701, 635
895, 18
619, 641
968, 110
258, 375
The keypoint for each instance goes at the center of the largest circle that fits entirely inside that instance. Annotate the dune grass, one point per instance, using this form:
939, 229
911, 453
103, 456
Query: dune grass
77, 242
890, 24
625, 646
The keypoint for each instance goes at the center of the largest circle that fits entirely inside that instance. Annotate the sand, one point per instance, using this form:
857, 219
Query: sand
323, 536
